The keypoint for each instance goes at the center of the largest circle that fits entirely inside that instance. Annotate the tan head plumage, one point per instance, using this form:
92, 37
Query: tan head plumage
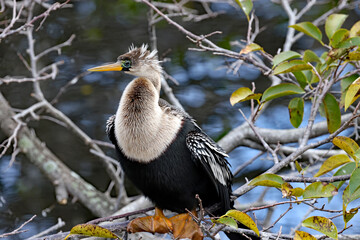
140, 60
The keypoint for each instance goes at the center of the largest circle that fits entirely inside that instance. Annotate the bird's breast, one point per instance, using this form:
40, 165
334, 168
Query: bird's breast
144, 135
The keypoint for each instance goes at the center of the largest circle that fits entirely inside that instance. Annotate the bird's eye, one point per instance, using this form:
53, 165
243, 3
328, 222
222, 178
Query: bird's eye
126, 64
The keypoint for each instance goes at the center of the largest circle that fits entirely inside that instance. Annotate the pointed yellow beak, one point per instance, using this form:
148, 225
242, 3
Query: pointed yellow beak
108, 67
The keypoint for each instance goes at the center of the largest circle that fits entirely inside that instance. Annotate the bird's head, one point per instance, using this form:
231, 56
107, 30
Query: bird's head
138, 61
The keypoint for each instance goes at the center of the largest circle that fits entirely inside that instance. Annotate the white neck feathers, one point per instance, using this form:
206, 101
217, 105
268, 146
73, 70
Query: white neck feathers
142, 128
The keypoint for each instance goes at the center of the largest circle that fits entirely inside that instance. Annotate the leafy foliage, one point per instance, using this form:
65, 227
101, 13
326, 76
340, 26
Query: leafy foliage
296, 111
268, 180
307, 70
246, 6
231, 216
309, 29
321, 224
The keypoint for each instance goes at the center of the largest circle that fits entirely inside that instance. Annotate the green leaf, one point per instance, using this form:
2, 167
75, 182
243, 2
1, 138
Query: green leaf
346, 82
332, 112
268, 180
286, 190
283, 89
91, 230
346, 144
246, 6
297, 192
333, 23
309, 29
310, 56
309, 75
354, 182
243, 94
336, 53
357, 154
355, 30
284, 56
296, 111
228, 221
352, 93
348, 198
314, 78
300, 235
344, 170
339, 36
320, 190
332, 163
321, 224
301, 78
323, 69
323, 56
252, 47
350, 42
298, 166
239, 95
354, 56
348, 215
292, 66
243, 219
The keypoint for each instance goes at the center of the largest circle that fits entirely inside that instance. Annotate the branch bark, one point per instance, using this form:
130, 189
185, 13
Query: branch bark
63, 178
240, 135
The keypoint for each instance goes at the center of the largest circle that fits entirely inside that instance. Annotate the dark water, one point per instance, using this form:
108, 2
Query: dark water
104, 30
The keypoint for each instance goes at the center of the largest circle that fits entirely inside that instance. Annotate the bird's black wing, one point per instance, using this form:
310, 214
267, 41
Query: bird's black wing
208, 154
213, 159
110, 130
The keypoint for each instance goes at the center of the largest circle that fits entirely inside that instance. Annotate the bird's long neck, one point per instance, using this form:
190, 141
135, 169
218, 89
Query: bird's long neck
155, 78
139, 105
142, 129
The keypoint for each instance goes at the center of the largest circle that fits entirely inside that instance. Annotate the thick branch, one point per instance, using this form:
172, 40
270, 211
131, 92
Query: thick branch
57, 172
317, 179
237, 136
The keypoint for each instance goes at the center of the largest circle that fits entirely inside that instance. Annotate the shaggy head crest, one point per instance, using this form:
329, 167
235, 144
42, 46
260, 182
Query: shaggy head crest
143, 52
140, 62
138, 54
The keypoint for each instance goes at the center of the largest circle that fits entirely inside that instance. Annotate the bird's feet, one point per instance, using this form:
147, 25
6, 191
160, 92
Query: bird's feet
153, 224
185, 227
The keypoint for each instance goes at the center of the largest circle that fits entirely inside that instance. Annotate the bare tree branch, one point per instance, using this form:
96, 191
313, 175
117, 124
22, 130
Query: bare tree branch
61, 176
18, 230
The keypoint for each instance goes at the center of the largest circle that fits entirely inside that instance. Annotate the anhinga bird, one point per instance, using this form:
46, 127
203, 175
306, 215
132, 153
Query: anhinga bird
163, 151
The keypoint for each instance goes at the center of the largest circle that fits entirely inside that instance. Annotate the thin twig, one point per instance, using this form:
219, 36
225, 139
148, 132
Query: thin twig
263, 142
112, 218
57, 226
278, 219
18, 230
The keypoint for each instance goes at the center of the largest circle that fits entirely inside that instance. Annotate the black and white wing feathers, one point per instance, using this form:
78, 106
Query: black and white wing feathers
211, 156
110, 129
207, 154
213, 159
204, 150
